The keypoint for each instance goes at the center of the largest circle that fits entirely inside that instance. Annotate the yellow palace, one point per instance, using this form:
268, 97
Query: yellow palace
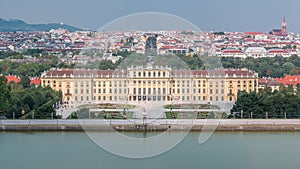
150, 84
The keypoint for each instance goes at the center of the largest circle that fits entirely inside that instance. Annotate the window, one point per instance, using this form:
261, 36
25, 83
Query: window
204, 98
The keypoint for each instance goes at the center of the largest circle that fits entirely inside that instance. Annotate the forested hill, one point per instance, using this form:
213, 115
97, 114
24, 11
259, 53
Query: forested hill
13, 25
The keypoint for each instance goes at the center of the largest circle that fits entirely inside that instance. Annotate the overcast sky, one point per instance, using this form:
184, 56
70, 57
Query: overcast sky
207, 15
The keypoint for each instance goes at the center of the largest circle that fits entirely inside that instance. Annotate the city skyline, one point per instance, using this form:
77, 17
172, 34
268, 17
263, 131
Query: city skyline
214, 15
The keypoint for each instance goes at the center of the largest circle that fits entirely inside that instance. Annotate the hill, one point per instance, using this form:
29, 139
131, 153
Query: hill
13, 25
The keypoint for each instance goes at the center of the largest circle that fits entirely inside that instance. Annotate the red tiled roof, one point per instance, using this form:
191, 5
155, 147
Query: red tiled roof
80, 72
268, 82
253, 33
95, 73
278, 51
289, 80
35, 81
13, 79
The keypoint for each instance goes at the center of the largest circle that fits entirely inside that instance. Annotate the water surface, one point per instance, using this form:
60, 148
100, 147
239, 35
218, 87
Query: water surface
228, 150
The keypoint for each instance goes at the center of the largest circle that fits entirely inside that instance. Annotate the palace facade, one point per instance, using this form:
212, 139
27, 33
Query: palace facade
150, 84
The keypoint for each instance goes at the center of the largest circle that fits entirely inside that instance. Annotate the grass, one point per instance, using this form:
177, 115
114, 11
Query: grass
191, 106
100, 115
192, 115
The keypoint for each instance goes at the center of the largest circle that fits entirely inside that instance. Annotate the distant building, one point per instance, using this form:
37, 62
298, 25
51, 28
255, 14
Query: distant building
268, 82
289, 80
282, 31
233, 53
15, 79
256, 52
279, 52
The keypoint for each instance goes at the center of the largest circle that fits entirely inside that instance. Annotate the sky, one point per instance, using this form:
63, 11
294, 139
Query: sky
207, 15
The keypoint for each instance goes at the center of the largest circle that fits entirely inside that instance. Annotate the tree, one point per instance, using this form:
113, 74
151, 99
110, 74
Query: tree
277, 103
4, 96
25, 82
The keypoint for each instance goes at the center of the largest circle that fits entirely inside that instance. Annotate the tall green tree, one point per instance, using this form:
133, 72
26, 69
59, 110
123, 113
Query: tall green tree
4, 96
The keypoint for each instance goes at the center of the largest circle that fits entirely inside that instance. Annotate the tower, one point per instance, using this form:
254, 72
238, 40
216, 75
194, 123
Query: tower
283, 30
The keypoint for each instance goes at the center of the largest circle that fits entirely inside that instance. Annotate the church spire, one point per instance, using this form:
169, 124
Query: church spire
284, 31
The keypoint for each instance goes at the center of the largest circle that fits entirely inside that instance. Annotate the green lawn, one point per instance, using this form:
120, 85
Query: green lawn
192, 115
191, 106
